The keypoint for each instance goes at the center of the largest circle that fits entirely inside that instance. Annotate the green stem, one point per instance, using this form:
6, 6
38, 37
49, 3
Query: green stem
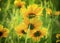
49, 36
26, 36
8, 4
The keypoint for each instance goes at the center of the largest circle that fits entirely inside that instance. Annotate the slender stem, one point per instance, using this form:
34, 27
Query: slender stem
27, 36
50, 30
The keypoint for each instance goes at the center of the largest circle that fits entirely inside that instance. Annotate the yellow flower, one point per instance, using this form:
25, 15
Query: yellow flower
3, 31
21, 29
19, 3
38, 34
57, 41
48, 11
57, 13
34, 24
57, 36
32, 11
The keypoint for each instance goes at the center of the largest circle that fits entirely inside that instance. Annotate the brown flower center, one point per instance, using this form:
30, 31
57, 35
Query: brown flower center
19, 6
23, 32
37, 34
1, 33
31, 26
31, 15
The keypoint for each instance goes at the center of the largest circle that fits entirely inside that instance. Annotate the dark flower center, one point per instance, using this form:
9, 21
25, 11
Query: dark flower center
23, 32
19, 7
1, 33
31, 26
31, 15
37, 34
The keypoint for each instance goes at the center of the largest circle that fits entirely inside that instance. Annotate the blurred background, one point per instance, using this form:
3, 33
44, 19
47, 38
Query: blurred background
55, 23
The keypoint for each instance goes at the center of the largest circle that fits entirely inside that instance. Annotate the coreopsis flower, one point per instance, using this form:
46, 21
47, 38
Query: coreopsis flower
21, 29
31, 12
38, 34
3, 31
57, 13
19, 3
48, 11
